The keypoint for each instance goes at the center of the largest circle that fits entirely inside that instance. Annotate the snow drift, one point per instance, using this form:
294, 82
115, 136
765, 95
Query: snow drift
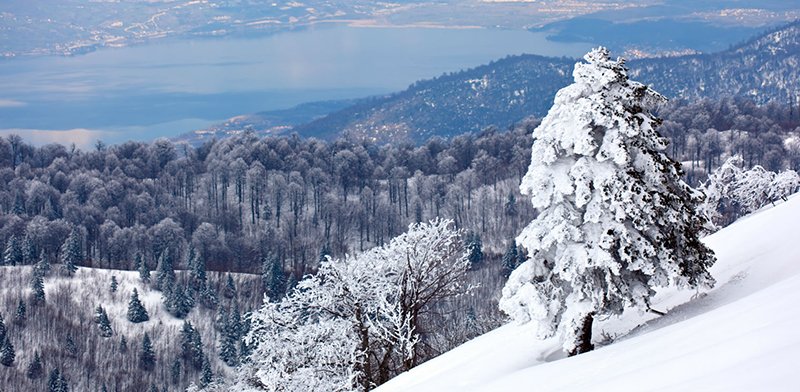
740, 336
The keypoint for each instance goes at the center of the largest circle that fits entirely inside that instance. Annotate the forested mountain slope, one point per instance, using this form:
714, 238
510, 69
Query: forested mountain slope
739, 336
502, 93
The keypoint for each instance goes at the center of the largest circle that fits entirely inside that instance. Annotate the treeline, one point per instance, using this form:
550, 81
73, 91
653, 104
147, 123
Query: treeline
243, 199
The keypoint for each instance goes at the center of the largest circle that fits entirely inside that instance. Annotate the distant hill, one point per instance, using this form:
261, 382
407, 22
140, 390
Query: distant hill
273, 122
504, 92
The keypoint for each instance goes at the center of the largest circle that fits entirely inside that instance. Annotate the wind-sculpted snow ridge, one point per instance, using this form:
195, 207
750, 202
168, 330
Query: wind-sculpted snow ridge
739, 336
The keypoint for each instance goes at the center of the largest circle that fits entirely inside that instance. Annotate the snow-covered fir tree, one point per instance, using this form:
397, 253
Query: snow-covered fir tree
57, 382
35, 369
13, 254
615, 220
165, 271
3, 330
29, 252
37, 284
7, 353
136, 311
191, 346
102, 321
71, 252
511, 258
147, 356
21, 314
141, 266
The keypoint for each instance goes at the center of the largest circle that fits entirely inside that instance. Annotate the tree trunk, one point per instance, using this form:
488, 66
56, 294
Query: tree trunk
583, 337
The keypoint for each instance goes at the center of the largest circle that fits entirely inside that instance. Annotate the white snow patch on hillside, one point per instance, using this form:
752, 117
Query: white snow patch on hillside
740, 336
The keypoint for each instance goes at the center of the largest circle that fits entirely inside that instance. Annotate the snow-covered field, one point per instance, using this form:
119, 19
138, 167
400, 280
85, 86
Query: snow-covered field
742, 335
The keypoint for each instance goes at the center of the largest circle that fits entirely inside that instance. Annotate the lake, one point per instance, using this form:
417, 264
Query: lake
176, 85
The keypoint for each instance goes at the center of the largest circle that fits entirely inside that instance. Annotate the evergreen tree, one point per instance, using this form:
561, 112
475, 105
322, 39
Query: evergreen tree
123, 345
147, 357
179, 302
70, 348
175, 371
37, 284
510, 259
474, 250
54, 381
141, 266
230, 288
21, 314
165, 278
3, 330
7, 354
13, 252
114, 284
191, 346
153, 388
103, 323
614, 217
103, 388
205, 374
136, 311
28, 251
197, 271
273, 278
71, 253
35, 368
227, 348
511, 205
43, 265
208, 298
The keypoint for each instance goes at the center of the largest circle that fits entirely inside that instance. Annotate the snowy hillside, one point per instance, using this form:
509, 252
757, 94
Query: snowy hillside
68, 313
740, 336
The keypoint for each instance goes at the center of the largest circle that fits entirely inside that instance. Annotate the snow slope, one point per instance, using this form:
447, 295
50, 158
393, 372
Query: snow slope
740, 336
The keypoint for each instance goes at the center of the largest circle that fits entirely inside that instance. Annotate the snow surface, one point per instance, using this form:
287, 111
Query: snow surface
740, 336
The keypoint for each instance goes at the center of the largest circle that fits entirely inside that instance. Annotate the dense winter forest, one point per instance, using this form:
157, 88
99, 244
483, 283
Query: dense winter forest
274, 207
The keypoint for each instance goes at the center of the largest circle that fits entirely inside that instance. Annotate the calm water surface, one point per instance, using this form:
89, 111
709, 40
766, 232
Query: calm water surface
173, 86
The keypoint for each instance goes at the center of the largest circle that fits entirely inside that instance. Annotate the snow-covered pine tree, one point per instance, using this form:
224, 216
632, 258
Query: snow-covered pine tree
35, 368
7, 354
206, 376
230, 288
28, 251
13, 252
54, 382
70, 348
3, 330
615, 219
197, 271
191, 346
175, 371
71, 253
510, 258
474, 248
21, 314
136, 311
147, 357
141, 266
123, 344
229, 338
273, 278
114, 284
37, 284
102, 321
165, 271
